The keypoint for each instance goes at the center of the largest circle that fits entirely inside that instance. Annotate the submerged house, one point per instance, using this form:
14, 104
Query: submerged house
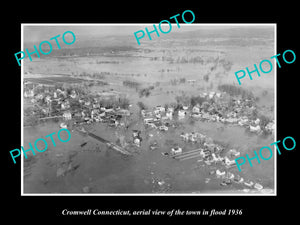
181, 113
196, 109
67, 115
28, 94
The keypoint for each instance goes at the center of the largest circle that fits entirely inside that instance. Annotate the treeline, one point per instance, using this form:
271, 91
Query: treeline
233, 90
145, 91
177, 81
86, 51
98, 75
131, 84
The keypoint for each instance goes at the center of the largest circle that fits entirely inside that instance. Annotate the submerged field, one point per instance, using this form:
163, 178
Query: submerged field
174, 67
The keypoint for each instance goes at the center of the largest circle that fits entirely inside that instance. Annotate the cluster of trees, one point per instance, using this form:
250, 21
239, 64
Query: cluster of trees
96, 75
121, 102
226, 64
145, 91
106, 62
206, 78
233, 90
178, 81
186, 59
131, 84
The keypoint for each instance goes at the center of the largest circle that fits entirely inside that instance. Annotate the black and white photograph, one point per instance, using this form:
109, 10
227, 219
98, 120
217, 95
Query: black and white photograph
131, 109
145, 112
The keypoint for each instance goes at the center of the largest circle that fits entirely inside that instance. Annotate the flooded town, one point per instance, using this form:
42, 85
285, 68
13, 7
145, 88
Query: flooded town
163, 118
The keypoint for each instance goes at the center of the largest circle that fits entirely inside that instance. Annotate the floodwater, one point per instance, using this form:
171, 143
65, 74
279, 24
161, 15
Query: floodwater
68, 167
85, 165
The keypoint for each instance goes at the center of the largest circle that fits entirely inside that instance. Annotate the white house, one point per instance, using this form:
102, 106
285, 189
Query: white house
171, 109
96, 105
48, 99
29, 94
169, 115
255, 129
87, 103
160, 108
73, 94
211, 94
176, 150
65, 105
63, 125
181, 113
218, 94
67, 115
185, 107
196, 109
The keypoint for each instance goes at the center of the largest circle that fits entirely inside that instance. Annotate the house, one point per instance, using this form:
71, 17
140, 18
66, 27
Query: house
270, 127
206, 116
39, 96
146, 113
218, 95
211, 94
152, 125
109, 110
185, 136
196, 115
196, 109
163, 128
160, 108
158, 116
102, 114
45, 111
176, 150
123, 112
156, 112
169, 115
181, 113
63, 93
73, 94
148, 120
96, 105
136, 133
29, 94
94, 113
203, 95
87, 103
255, 129
67, 115
111, 95
191, 81
48, 99
185, 107
63, 125
65, 105
136, 137
137, 141
77, 115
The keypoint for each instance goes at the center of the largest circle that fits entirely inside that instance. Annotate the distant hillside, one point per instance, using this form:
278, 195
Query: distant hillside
205, 35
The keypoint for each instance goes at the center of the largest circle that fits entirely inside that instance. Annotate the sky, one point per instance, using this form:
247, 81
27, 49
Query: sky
37, 33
